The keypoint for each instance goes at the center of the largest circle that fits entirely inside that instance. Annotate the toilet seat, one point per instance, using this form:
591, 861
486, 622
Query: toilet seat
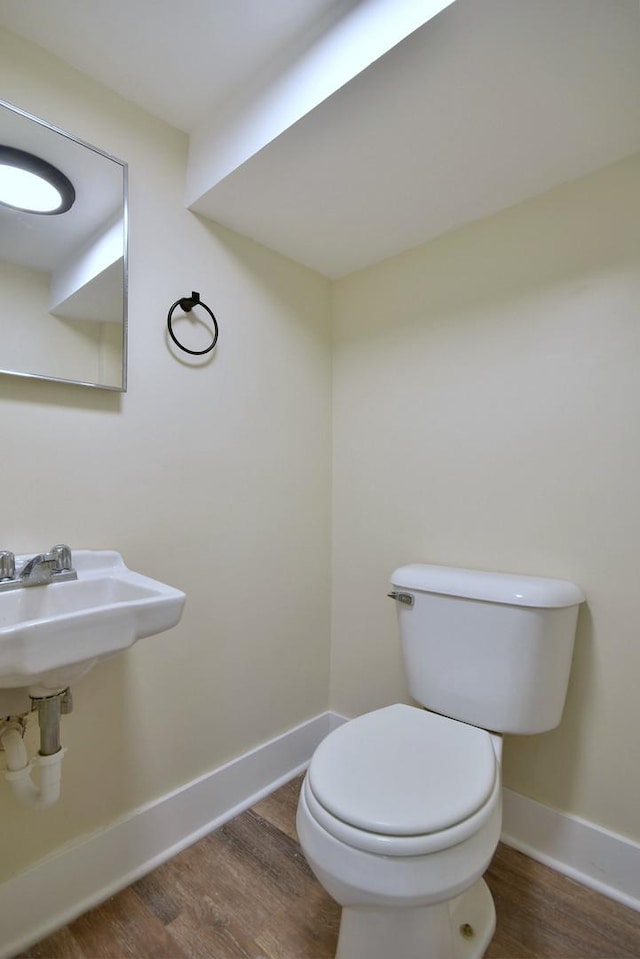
402, 781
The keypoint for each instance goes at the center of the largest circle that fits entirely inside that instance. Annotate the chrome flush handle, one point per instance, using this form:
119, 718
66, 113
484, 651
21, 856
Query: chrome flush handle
405, 598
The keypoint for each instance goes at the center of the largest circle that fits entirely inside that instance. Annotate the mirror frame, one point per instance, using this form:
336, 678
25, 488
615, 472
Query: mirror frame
125, 277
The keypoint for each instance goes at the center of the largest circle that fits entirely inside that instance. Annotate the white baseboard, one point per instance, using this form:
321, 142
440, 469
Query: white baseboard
56, 890
597, 858
36, 902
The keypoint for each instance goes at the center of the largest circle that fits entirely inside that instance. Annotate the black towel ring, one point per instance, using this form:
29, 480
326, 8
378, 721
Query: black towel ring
186, 304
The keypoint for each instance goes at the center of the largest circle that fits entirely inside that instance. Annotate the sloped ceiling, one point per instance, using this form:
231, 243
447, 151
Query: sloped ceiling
484, 104
179, 59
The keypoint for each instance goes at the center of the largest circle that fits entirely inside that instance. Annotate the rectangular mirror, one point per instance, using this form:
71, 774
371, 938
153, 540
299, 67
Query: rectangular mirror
63, 276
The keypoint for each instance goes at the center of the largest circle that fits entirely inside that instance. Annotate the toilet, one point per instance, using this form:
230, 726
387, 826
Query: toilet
400, 810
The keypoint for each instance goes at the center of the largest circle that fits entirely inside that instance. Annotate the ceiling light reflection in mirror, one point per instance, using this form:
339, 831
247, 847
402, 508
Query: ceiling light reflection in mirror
63, 266
30, 184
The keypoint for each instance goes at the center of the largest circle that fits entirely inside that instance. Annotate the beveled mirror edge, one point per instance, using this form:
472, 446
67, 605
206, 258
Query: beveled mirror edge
125, 277
125, 284
60, 379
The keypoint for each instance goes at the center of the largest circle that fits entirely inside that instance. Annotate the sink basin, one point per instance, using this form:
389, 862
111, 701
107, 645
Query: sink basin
52, 635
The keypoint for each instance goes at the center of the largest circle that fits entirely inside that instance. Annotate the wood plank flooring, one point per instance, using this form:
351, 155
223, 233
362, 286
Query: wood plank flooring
246, 892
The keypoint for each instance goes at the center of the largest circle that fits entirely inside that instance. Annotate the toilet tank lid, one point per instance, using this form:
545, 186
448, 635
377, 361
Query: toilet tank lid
508, 588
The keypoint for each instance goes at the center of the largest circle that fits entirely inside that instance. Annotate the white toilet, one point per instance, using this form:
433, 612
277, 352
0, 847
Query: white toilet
400, 811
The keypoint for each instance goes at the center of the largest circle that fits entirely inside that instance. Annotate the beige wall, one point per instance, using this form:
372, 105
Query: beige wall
487, 414
215, 479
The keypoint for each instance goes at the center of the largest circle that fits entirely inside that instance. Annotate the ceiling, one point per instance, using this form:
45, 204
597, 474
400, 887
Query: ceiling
340, 132
178, 60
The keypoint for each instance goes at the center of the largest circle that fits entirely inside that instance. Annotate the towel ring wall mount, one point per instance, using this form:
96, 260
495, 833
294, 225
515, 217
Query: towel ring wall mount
186, 304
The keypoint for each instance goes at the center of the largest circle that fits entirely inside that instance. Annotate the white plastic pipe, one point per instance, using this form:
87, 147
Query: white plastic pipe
19, 770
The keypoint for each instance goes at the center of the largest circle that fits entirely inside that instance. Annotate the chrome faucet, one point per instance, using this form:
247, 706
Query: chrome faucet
52, 567
7, 565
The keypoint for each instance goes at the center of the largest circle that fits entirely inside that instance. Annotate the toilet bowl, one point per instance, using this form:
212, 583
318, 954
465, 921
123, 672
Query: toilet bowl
400, 811
399, 816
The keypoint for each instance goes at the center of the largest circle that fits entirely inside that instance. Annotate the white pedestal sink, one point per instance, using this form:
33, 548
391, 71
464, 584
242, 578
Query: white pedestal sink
52, 635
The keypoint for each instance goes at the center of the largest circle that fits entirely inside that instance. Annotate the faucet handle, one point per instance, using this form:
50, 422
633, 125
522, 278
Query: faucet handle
7, 565
61, 554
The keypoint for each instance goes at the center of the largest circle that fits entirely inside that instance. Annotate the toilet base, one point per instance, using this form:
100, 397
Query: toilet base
459, 929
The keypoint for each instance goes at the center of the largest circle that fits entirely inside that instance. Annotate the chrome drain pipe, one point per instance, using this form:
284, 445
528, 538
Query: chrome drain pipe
49, 759
50, 709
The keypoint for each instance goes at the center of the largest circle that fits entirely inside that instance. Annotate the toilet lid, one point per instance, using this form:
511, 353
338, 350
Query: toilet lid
402, 771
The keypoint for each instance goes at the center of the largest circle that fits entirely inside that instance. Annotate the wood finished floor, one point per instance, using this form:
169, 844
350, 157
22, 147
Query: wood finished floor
245, 892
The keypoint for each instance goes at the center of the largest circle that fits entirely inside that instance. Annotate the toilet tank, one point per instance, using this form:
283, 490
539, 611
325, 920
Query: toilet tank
490, 649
